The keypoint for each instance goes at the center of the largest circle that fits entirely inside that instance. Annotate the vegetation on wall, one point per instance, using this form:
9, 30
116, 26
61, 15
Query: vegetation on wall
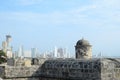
3, 57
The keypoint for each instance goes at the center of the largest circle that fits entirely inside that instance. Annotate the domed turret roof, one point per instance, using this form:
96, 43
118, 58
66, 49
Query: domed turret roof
82, 42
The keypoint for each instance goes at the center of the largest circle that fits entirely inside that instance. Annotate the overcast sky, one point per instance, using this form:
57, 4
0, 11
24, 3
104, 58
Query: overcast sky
48, 23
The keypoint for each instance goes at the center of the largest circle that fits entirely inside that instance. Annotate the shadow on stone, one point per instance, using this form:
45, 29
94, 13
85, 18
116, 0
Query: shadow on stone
69, 69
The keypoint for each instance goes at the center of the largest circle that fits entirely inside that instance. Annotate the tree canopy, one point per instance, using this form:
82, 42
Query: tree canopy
3, 57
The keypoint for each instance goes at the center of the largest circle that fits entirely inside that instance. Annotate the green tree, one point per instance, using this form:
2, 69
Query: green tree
3, 57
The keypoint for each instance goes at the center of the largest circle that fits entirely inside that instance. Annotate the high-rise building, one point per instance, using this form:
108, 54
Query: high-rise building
8, 40
9, 54
4, 46
7, 48
27, 54
21, 52
55, 52
60, 53
34, 52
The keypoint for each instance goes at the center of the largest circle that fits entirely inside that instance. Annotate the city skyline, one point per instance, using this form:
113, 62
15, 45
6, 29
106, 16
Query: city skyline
44, 24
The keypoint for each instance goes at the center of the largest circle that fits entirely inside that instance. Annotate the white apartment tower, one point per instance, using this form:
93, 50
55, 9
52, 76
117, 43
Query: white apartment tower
34, 52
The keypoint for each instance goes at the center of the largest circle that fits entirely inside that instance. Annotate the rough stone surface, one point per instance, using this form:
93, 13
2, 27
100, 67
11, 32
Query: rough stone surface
83, 49
73, 69
20, 72
2, 71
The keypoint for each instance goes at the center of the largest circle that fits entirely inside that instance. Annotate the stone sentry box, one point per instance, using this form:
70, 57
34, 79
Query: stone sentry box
83, 49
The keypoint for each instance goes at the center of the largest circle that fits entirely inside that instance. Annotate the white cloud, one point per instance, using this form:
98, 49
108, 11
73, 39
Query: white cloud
112, 3
83, 8
94, 15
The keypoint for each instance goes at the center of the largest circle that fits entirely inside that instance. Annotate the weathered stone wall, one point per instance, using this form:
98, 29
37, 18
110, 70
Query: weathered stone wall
22, 79
92, 69
2, 71
72, 69
20, 72
110, 69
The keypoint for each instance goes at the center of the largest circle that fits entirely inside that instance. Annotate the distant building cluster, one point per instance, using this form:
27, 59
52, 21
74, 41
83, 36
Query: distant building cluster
61, 53
6, 47
23, 57
34, 53
21, 53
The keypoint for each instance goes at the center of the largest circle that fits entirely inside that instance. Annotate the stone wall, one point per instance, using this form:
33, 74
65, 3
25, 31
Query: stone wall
72, 69
2, 71
20, 72
110, 69
91, 69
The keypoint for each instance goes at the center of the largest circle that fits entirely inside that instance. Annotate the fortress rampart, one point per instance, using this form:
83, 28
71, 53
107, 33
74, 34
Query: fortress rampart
94, 69
84, 67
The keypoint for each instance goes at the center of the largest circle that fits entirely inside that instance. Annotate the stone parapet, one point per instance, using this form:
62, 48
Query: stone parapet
73, 69
20, 72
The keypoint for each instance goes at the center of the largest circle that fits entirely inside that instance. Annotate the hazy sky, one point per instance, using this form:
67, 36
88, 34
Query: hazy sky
48, 23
